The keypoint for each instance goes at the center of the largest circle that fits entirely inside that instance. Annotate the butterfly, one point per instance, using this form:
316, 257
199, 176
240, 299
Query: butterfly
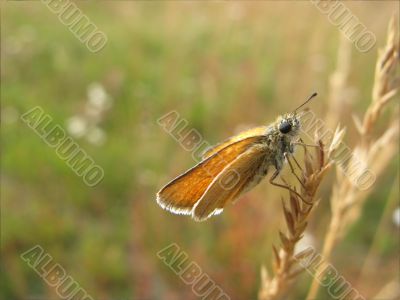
233, 167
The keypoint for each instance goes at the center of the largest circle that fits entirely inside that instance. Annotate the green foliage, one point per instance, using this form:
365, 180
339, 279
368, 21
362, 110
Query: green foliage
221, 67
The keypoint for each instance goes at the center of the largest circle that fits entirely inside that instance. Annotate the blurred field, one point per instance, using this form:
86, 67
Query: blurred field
223, 66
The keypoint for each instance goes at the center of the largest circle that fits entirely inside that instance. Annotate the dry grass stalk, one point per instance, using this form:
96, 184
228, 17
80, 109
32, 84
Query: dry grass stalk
339, 96
376, 152
296, 214
390, 291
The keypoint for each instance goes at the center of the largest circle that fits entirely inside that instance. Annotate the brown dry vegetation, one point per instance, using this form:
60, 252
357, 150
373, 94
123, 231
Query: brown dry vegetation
224, 67
347, 197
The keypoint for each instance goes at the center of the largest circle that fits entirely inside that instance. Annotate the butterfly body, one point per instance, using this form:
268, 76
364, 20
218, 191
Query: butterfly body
230, 169
275, 145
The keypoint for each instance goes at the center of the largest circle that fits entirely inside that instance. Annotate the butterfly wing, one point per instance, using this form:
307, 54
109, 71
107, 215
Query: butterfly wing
223, 189
256, 131
181, 194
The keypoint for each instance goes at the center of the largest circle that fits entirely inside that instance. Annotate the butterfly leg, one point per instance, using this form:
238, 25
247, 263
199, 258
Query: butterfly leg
287, 187
298, 165
286, 155
305, 145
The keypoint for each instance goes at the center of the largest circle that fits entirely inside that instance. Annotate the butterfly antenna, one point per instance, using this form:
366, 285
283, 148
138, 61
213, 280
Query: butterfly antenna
305, 102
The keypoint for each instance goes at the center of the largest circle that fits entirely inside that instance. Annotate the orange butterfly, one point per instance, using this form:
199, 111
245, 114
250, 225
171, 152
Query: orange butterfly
231, 168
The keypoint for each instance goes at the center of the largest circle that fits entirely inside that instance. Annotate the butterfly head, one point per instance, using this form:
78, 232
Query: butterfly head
289, 125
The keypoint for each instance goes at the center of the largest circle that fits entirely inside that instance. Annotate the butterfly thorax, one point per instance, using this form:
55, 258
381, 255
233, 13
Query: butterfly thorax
275, 144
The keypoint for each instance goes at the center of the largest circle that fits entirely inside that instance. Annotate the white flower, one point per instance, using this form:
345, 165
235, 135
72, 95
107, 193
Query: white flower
396, 217
96, 136
98, 97
77, 126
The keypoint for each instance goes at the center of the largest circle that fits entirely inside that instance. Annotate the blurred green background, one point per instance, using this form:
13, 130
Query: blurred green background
223, 66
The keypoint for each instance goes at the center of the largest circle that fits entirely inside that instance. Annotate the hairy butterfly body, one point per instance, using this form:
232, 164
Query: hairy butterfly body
231, 168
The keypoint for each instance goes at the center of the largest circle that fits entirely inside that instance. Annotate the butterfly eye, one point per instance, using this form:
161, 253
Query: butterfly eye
285, 127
